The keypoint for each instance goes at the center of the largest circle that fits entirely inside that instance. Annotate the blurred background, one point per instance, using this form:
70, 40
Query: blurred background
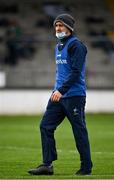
27, 42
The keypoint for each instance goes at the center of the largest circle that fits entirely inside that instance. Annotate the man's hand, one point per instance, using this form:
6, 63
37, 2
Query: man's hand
55, 97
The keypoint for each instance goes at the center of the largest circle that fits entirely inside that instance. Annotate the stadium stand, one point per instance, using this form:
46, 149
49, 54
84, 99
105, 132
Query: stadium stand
28, 29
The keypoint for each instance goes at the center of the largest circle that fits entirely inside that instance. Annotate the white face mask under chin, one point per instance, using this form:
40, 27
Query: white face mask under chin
61, 35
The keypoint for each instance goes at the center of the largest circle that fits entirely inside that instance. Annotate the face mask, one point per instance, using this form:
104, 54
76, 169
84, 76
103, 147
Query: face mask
61, 35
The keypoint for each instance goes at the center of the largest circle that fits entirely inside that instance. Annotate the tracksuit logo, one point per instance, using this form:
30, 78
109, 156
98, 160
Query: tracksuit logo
75, 111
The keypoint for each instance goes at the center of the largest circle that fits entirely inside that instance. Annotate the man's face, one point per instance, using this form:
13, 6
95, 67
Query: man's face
60, 27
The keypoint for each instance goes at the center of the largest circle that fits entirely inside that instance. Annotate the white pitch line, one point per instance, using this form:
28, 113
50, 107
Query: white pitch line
17, 148
69, 177
58, 150
74, 152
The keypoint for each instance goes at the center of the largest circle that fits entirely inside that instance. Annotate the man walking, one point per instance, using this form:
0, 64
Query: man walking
67, 100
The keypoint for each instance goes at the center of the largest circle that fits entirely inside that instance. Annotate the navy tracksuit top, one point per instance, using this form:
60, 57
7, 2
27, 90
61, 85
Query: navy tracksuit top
70, 59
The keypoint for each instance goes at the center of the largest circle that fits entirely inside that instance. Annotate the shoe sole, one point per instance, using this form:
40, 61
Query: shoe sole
83, 174
45, 174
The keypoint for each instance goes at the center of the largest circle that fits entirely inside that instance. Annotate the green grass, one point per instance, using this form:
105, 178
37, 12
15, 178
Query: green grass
20, 147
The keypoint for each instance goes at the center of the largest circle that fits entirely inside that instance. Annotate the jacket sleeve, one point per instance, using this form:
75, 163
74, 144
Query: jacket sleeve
77, 53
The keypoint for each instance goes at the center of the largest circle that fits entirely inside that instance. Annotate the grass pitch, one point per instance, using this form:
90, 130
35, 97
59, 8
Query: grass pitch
20, 147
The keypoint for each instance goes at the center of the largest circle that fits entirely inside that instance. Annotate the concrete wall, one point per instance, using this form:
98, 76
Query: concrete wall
35, 101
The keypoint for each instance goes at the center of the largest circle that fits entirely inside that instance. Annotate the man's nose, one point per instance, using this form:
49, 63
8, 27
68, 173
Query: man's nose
58, 28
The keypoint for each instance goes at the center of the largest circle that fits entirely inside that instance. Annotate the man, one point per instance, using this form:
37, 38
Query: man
67, 99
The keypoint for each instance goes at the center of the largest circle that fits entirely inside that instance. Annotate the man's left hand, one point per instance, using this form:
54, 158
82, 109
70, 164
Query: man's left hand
55, 97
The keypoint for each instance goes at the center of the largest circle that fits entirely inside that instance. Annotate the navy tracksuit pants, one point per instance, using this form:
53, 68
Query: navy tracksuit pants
72, 108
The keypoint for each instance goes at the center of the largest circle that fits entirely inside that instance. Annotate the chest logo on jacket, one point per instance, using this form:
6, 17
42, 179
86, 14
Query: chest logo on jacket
61, 61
